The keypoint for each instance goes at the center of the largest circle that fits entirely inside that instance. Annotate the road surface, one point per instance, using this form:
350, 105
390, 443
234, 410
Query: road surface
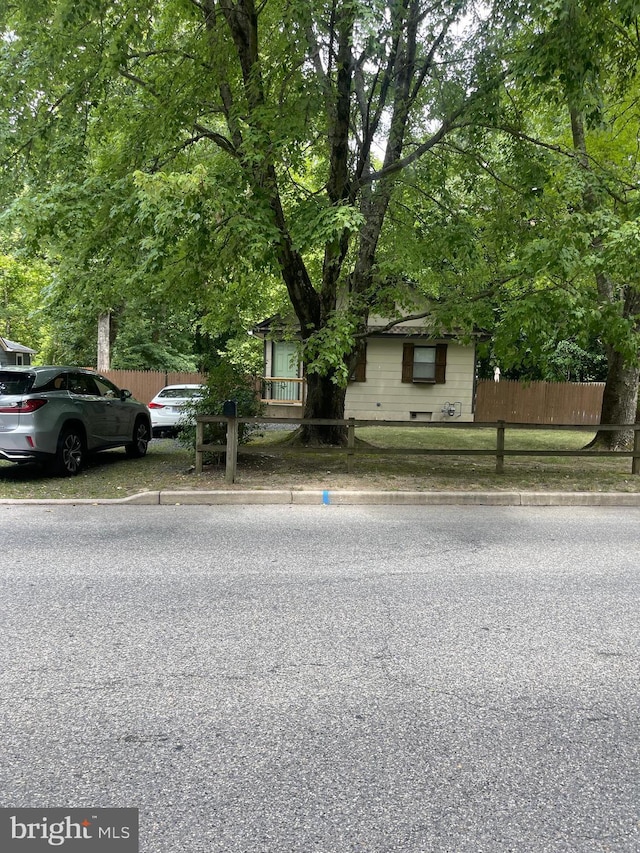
327, 679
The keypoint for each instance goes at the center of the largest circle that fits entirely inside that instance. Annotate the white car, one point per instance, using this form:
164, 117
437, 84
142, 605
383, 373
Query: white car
168, 407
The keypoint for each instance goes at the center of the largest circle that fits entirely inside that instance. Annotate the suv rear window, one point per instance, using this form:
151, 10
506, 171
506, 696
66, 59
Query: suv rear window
15, 383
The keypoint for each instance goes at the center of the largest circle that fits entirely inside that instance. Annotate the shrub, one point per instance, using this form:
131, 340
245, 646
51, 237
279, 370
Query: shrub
225, 382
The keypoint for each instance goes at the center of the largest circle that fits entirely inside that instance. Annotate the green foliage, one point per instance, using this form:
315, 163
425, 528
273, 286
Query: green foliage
569, 362
326, 352
547, 359
224, 382
22, 285
191, 187
318, 224
162, 167
245, 354
153, 343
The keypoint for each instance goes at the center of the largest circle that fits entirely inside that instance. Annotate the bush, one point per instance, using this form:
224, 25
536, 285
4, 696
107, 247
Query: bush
225, 382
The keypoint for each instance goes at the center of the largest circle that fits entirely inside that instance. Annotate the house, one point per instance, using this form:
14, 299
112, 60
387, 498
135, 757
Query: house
12, 353
403, 373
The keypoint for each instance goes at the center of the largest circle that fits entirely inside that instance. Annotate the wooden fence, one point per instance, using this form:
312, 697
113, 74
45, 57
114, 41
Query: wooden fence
539, 402
351, 449
145, 384
507, 400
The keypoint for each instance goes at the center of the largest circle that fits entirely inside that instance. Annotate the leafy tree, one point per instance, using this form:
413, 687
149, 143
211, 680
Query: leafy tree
536, 218
559, 361
580, 57
22, 285
569, 362
230, 159
211, 144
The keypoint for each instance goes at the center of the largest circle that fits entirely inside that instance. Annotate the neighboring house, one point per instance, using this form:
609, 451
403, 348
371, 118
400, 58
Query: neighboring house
404, 373
13, 353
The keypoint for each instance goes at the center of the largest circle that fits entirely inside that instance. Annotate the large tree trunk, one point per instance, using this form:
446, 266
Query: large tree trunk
325, 399
619, 403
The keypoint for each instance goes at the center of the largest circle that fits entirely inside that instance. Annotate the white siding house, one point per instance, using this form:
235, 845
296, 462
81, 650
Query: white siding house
414, 378
402, 374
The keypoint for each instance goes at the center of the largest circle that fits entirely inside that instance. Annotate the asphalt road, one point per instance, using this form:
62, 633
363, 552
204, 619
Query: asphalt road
326, 679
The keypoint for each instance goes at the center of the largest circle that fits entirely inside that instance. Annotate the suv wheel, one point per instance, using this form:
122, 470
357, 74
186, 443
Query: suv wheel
141, 438
70, 453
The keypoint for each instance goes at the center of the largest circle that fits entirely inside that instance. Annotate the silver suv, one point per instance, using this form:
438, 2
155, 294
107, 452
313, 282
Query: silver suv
57, 415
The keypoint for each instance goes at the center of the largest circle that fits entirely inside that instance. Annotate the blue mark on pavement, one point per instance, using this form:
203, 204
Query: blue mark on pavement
325, 496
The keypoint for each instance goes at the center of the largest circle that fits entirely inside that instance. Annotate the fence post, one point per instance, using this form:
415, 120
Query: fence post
351, 444
199, 443
635, 462
500, 448
232, 450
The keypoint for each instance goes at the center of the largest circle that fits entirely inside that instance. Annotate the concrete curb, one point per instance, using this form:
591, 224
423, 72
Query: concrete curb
345, 497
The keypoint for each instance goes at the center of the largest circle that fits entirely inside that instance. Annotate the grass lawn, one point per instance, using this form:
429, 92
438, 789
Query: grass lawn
273, 464
398, 471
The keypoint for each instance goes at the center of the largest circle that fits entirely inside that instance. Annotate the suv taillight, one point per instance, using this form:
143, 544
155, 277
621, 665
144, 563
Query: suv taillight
24, 407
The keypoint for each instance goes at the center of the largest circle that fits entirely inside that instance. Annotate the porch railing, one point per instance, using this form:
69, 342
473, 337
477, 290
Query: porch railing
283, 389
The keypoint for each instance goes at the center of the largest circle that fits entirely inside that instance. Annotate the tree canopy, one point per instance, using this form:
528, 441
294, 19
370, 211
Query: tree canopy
223, 160
21, 286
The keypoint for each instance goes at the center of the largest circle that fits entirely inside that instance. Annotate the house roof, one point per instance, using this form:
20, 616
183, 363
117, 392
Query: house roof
12, 346
264, 327
276, 325
406, 332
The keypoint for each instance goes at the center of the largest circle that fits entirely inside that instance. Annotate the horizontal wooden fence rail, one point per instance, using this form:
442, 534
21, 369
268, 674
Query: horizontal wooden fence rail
499, 452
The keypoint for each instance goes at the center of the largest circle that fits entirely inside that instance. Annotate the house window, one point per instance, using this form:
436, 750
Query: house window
19, 359
424, 364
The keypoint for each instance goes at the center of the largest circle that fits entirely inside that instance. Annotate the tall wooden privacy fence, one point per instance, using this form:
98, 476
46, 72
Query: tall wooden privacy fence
145, 384
507, 400
539, 402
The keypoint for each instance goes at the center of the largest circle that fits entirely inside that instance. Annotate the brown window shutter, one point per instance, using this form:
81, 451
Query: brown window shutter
407, 363
360, 370
441, 363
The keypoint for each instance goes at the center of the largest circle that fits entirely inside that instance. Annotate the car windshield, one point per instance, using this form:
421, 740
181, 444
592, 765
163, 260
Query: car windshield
175, 393
15, 383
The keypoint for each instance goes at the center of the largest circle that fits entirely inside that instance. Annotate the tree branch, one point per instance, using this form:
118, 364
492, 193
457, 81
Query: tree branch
147, 54
220, 140
399, 165
216, 138
585, 159
449, 123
